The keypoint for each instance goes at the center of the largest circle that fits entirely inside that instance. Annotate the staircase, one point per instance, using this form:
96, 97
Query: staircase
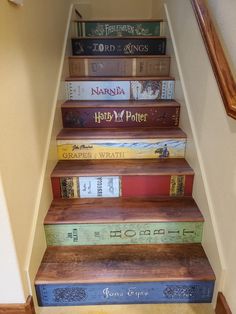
123, 227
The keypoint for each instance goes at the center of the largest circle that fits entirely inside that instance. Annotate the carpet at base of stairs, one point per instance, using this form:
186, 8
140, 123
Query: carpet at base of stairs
133, 309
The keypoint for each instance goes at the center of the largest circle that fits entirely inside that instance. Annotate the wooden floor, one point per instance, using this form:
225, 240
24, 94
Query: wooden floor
132, 309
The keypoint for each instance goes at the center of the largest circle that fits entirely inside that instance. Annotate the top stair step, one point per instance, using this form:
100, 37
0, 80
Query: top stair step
140, 27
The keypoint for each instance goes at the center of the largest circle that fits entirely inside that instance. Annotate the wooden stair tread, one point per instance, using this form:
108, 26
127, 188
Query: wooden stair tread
119, 38
120, 57
174, 166
130, 263
73, 211
120, 78
125, 133
118, 103
118, 20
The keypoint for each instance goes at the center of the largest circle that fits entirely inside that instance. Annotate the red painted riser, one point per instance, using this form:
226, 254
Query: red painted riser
140, 186
151, 186
132, 117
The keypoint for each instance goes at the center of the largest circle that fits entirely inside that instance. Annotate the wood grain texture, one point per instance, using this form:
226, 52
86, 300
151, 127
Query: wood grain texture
175, 166
217, 57
120, 78
120, 20
26, 308
130, 263
98, 114
123, 37
222, 306
119, 103
119, 66
115, 133
119, 57
64, 211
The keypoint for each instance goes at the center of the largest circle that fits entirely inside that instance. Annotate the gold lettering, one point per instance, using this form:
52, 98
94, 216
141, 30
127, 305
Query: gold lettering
136, 117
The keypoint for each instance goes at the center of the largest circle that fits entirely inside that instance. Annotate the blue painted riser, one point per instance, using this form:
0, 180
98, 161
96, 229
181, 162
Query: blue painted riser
125, 293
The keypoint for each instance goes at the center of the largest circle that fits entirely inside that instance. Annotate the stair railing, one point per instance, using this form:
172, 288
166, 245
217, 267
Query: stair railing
220, 65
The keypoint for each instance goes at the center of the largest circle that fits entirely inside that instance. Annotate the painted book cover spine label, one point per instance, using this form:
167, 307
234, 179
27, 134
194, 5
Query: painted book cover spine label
118, 46
120, 90
124, 233
119, 29
90, 187
120, 149
125, 293
123, 186
119, 67
120, 117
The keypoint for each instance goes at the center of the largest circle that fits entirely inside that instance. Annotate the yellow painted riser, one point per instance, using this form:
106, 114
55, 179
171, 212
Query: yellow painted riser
94, 150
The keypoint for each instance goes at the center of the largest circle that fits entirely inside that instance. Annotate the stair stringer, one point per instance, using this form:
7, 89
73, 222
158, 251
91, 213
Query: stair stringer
194, 152
37, 243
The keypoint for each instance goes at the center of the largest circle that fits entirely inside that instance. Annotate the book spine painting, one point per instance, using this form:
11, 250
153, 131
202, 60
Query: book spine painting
125, 293
120, 117
159, 66
120, 90
120, 149
124, 233
113, 29
122, 186
118, 46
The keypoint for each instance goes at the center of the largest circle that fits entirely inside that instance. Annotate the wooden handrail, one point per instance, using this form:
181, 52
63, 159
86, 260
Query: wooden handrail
217, 57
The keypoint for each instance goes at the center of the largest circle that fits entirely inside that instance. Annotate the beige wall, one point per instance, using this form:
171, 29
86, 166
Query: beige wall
113, 9
214, 135
31, 42
158, 9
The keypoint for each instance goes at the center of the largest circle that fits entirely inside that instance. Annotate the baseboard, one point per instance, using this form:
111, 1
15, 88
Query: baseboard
222, 306
23, 308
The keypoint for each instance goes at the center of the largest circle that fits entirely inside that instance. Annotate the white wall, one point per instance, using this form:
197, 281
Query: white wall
214, 135
9, 268
31, 44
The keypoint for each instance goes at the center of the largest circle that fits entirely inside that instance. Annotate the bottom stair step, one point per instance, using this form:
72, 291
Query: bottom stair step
132, 274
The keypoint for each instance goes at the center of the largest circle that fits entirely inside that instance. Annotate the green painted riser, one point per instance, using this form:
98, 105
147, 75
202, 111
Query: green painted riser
111, 29
124, 233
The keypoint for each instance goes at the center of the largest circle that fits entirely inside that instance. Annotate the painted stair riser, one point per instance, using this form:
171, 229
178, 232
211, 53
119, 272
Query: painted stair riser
113, 29
120, 149
118, 46
125, 293
124, 233
120, 90
119, 66
122, 186
120, 117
